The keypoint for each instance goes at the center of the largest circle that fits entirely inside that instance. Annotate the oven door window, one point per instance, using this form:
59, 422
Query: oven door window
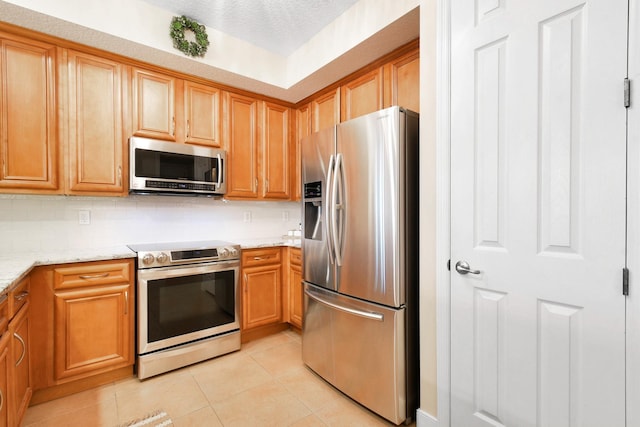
181, 305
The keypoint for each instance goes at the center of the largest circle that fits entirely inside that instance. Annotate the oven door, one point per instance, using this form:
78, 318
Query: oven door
177, 305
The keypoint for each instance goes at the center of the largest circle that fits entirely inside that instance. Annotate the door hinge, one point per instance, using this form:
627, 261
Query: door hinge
625, 281
627, 93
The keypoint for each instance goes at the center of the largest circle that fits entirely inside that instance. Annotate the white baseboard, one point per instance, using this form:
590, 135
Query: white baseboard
425, 420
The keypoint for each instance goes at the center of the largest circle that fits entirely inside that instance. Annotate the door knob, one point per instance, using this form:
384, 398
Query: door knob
462, 267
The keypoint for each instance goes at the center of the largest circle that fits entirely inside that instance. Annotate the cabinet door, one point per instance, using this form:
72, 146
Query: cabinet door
362, 95
19, 374
92, 330
303, 128
402, 81
242, 137
28, 149
4, 391
261, 302
154, 105
96, 137
325, 110
202, 114
275, 151
295, 297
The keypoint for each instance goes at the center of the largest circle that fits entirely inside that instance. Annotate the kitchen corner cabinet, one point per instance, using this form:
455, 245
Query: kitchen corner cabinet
362, 95
93, 318
28, 120
18, 360
296, 300
95, 127
261, 287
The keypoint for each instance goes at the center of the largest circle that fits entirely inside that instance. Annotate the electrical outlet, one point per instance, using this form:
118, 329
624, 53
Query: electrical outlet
247, 216
285, 216
84, 217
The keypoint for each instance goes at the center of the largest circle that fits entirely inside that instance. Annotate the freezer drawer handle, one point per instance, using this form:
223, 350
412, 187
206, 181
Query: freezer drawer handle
366, 314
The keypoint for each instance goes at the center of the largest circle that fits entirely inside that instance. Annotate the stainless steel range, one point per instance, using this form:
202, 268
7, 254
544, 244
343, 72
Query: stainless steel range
188, 303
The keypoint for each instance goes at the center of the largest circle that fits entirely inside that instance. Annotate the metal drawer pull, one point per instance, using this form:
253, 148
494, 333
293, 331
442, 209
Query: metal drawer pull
261, 258
94, 276
22, 295
126, 302
366, 314
24, 347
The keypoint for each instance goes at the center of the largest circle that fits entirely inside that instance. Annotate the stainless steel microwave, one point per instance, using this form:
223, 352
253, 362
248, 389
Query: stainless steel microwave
159, 167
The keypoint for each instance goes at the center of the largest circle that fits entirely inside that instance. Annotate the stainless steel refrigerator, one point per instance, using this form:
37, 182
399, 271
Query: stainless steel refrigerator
360, 252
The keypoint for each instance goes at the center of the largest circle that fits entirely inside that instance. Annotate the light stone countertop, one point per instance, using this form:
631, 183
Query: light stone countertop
15, 267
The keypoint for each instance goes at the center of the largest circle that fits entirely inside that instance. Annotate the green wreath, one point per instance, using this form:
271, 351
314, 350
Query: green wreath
179, 24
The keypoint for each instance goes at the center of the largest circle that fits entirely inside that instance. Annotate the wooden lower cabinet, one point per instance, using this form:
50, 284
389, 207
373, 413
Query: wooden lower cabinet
296, 300
19, 376
261, 288
82, 326
84, 342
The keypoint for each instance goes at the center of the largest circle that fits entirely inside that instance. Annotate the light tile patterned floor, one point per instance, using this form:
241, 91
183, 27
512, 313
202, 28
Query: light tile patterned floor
264, 384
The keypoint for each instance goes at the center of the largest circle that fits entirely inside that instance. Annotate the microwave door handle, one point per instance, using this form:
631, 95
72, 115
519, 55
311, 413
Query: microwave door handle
219, 183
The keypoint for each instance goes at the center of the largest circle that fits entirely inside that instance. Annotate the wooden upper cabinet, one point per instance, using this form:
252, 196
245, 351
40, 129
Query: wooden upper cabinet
276, 120
325, 110
402, 81
362, 95
202, 114
28, 121
241, 114
95, 127
303, 128
154, 105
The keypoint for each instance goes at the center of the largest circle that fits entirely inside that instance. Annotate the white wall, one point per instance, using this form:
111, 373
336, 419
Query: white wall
33, 223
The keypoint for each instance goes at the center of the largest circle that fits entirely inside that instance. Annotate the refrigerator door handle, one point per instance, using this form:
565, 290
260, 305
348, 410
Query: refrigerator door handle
366, 314
337, 208
329, 210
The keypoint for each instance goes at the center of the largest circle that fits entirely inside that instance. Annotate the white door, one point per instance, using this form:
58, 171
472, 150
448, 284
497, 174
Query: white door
538, 208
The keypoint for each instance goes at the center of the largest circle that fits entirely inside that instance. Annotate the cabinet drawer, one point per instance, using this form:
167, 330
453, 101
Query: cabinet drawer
91, 274
18, 296
295, 256
261, 256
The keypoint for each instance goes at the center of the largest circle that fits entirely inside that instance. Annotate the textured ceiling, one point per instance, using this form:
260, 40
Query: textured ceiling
280, 26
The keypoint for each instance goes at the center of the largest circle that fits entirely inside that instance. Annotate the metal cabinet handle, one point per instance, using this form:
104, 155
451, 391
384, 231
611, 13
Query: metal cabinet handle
1, 399
261, 258
94, 276
462, 267
24, 347
119, 175
21, 296
245, 282
126, 302
188, 128
173, 126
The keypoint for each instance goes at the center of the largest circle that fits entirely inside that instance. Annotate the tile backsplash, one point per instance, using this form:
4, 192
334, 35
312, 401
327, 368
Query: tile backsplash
34, 223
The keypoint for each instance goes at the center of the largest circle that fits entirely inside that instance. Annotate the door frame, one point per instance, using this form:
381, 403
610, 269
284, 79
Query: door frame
438, 237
